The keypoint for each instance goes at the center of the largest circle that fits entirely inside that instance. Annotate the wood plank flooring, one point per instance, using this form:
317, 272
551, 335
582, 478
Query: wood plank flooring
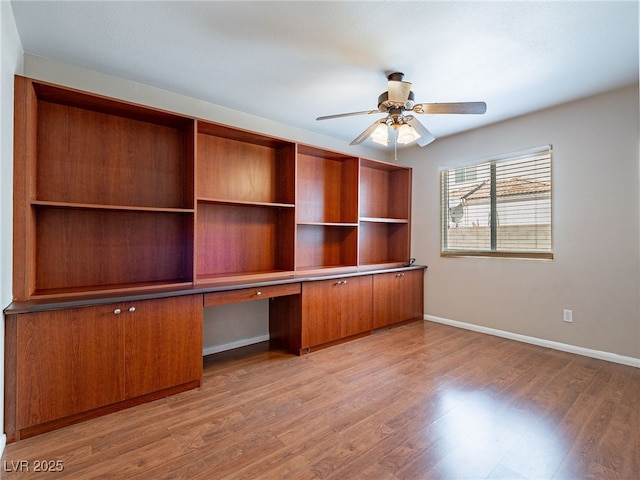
422, 401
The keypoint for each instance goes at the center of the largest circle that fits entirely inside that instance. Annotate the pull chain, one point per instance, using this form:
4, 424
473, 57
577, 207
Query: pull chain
395, 148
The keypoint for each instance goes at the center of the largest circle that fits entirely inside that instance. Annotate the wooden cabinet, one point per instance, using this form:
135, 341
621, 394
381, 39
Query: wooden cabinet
245, 205
163, 343
69, 361
113, 200
397, 297
65, 363
385, 214
336, 309
326, 211
112, 197
103, 194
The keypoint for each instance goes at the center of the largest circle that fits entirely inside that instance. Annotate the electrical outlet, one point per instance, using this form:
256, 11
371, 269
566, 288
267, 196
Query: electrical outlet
567, 315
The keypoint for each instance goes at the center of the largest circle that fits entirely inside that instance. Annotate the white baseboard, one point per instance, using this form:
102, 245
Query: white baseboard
237, 344
587, 352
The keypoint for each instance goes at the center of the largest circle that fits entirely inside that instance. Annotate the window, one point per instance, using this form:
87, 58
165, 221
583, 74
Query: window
500, 207
466, 174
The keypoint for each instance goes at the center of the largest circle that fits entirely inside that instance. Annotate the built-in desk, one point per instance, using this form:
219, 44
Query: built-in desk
71, 359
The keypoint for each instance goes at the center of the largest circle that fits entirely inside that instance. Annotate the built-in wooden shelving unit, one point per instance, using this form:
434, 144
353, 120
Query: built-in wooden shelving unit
112, 196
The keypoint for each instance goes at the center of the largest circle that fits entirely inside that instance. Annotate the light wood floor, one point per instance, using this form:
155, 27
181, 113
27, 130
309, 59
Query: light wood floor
422, 401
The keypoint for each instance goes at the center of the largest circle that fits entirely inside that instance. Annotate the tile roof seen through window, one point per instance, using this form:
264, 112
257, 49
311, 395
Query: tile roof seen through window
504, 188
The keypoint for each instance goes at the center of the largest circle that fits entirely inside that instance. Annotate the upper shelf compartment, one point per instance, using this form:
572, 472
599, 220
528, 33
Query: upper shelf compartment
238, 167
385, 192
327, 187
97, 151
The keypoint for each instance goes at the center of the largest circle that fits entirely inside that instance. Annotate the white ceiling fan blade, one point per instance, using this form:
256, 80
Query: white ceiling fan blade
426, 137
339, 115
398, 91
459, 107
364, 135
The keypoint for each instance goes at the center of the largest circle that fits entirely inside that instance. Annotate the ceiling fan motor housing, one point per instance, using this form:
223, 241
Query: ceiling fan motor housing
384, 104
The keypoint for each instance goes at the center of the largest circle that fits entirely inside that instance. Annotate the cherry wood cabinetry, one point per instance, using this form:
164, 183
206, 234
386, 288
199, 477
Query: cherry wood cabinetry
163, 343
385, 213
336, 309
65, 363
103, 194
326, 210
112, 197
397, 297
247, 294
70, 361
245, 205
114, 200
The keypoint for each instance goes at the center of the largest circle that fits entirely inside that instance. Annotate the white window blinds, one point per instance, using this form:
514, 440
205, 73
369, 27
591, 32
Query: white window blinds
500, 207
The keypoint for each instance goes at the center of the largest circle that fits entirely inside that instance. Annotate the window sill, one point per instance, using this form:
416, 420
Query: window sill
491, 254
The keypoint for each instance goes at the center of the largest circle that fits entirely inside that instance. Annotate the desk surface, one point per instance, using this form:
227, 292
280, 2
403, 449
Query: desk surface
40, 305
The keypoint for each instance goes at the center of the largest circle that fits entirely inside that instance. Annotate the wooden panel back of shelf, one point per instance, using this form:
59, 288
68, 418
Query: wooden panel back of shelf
90, 157
243, 171
75, 248
383, 191
320, 245
327, 189
233, 238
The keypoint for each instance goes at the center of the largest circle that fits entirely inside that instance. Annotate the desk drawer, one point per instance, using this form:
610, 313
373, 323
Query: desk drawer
245, 294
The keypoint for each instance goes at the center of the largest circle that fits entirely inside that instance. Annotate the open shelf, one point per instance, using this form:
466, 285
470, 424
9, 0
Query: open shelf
247, 203
239, 168
245, 189
328, 224
323, 246
384, 191
79, 249
91, 151
93, 206
327, 187
236, 240
385, 211
383, 220
383, 243
105, 197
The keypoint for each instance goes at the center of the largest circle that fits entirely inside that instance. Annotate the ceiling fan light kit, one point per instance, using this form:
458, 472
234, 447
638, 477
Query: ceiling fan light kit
406, 134
381, 134
397, 100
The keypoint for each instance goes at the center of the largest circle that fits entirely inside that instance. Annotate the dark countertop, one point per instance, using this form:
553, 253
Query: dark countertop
92, 299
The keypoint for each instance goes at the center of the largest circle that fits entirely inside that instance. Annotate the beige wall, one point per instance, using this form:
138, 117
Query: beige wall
596, 269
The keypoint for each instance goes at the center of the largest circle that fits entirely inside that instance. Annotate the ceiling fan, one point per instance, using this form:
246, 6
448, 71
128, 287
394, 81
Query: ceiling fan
396, 102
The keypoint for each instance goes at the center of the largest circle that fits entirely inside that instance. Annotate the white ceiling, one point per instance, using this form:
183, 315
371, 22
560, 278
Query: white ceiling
294, 61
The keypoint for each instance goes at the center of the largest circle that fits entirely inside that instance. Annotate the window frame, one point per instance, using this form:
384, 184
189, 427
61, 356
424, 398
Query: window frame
495, 253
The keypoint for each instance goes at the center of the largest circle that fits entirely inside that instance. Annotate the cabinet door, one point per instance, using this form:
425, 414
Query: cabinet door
356, 310
68, 361
398, 296
411, 295
385, 302
320, 312
163, 343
